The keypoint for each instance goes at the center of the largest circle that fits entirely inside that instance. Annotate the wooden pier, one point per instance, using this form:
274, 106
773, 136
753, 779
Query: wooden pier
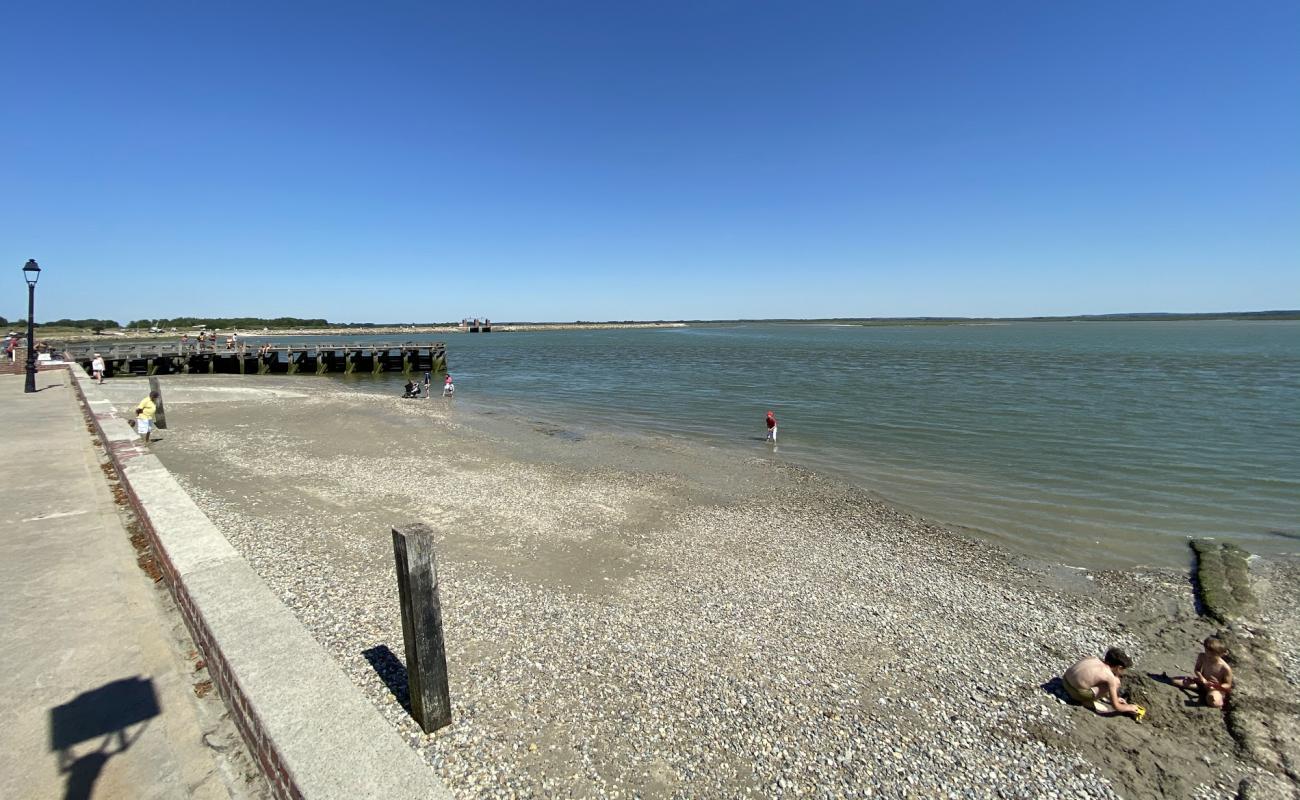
263, 359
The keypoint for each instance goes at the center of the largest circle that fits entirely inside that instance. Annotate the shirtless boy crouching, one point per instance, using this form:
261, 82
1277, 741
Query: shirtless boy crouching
1094, 683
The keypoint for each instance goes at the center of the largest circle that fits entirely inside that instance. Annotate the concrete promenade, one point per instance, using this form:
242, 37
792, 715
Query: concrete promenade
97, 694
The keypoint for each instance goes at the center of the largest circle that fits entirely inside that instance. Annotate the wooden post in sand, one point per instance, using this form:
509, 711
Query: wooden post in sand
160, 414
426, 655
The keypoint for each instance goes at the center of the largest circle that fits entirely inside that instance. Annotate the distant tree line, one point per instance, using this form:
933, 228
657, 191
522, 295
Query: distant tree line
97, 324
229, 322
93, 324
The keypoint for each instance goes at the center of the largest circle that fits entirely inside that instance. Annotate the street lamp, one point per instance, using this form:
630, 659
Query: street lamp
32, 274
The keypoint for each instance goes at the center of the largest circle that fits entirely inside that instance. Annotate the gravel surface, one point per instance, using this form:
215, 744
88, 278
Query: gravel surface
1278, 609
642, 617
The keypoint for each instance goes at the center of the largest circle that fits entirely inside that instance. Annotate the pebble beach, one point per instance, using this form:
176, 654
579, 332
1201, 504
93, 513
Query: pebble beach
638, 616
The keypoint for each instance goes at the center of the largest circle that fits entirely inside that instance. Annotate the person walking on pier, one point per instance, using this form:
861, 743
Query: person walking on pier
97, 369
144, 416
771, 427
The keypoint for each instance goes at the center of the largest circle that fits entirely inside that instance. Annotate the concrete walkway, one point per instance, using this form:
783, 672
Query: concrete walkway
96, 695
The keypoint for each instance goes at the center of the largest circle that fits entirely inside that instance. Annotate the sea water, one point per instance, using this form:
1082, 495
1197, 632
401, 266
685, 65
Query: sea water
1093, 443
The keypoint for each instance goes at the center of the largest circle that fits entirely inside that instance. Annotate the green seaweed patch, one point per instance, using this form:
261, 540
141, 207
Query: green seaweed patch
1223, 580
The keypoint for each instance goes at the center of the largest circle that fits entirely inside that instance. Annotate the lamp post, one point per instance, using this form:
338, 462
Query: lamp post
32, 274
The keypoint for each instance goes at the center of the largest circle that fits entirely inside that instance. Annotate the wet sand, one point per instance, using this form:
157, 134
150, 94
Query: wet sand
647, 616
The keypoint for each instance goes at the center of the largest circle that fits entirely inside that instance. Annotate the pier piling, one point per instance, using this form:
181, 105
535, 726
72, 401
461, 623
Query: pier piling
426, 655
160, 412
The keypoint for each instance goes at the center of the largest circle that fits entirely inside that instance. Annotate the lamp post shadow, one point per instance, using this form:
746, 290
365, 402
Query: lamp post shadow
107, 712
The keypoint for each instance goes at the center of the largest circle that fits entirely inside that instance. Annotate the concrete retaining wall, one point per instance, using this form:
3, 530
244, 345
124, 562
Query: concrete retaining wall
309, 727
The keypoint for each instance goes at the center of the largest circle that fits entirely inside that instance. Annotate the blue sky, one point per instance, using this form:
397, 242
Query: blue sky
561, 160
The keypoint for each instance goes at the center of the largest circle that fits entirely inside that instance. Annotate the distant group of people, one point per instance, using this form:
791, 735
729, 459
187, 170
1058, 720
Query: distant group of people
414, 389
207, 340
1094, 682
201, 341
14, 342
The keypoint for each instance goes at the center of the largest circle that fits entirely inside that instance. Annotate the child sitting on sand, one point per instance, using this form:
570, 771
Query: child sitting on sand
1094, 683
1213, 678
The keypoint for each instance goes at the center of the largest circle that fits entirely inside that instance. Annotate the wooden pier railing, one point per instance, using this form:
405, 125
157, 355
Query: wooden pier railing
262, 359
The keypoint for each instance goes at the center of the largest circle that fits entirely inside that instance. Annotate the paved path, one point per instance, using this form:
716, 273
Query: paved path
96, 696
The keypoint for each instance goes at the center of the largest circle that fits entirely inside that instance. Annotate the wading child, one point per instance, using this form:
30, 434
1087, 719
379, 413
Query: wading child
1213, 678
1094, 683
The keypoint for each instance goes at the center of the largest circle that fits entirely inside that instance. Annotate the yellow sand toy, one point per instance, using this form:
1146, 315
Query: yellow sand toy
1140, 713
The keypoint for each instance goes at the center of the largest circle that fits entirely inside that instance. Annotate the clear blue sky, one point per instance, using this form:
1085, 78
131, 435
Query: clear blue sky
605, 160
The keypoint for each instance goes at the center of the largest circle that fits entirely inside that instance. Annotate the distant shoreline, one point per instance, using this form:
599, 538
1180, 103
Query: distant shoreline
386, 330
79, 334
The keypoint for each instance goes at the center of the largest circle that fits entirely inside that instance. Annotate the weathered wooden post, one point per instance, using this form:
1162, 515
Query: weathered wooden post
160, 413
426, 655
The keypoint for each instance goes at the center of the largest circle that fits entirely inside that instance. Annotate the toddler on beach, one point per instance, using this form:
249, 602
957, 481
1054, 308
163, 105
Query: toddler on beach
1213, 676
144, 416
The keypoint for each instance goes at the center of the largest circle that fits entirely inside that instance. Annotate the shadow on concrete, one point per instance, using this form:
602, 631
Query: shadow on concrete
392, 672
107, 712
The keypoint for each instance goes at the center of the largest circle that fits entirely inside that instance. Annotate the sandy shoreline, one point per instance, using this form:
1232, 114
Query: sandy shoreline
642, 616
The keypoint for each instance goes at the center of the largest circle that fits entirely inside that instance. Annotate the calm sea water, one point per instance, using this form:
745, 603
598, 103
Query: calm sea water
1093, 443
